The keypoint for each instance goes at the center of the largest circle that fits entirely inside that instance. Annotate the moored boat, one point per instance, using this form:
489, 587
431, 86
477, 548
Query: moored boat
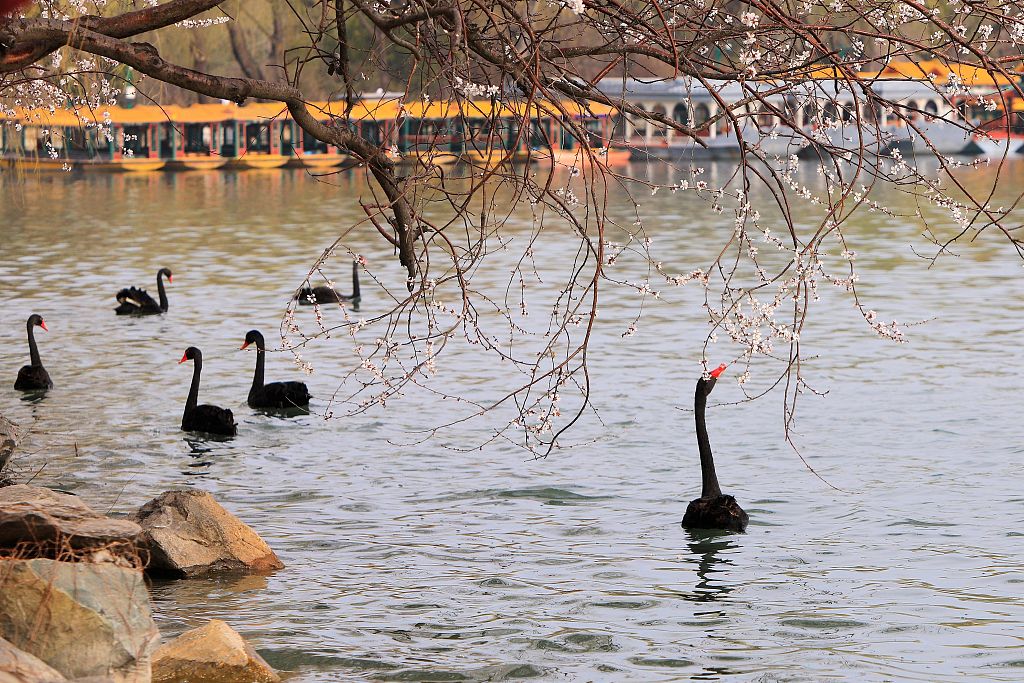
822, 114
130, 165
115, 139
195, 163
428, 157
1000, 134
263, 136
317, 162
258, 136
257, 160
199, 137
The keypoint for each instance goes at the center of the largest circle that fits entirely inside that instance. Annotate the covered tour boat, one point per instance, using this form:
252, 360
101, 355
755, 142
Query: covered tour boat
113, 139
199, 137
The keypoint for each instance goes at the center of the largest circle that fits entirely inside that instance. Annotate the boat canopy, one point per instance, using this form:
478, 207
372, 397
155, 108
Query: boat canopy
362, 110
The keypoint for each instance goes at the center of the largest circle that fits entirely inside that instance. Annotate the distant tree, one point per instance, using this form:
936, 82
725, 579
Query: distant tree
803, 70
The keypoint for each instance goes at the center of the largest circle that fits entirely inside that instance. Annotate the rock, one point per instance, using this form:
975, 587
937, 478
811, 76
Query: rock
214, 653
17, 666
82, 619
38, 522
188, 533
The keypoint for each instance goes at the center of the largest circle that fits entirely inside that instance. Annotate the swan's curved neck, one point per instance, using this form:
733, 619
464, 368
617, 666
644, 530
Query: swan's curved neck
161, 292
257, 378
709, 480
33, 351
355, 280
193, 392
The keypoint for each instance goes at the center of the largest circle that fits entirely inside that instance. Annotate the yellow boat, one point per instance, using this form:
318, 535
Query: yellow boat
317, 162
57, 140
124, 164
195, 163
49, 164
31, 163
428, 157
145, 138
254, 161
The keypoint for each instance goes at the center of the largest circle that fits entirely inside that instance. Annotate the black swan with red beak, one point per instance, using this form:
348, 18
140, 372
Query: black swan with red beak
714, 509
203, 418
275, 394
136, 301
33, 377
329, 295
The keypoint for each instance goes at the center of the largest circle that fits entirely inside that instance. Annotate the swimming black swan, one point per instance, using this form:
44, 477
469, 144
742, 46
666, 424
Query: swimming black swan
327, 295
33, 377
204, 418
275, 394
714, 509
135, 301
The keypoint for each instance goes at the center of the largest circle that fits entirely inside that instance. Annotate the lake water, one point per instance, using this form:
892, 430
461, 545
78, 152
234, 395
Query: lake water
431, 560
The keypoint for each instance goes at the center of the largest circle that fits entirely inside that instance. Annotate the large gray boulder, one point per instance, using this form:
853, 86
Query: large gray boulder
18, 666
214, 653
188, 533
38, 522
80, 618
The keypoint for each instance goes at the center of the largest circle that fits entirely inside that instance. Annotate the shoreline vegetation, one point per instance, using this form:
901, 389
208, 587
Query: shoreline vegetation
74, 595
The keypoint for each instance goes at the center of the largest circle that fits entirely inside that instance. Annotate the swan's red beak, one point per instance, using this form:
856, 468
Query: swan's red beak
170, 278
718, 371
243, 346
184, 357
43, 325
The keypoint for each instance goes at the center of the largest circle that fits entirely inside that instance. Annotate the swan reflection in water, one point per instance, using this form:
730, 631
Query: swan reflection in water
711, 549
202, 450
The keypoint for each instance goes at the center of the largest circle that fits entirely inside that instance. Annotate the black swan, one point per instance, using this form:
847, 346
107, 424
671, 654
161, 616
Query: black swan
135, 301
275, 394
204, 418
33, 377
328, 295
714, 509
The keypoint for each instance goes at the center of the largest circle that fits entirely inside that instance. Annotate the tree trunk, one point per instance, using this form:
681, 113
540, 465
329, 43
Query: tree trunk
242, 55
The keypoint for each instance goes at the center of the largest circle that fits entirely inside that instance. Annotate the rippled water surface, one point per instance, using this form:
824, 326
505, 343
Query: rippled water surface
422, 560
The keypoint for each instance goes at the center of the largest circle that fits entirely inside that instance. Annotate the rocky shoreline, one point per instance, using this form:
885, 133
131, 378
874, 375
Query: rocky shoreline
74, 603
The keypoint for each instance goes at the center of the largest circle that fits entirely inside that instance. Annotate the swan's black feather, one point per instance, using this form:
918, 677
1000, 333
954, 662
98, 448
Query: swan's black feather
323, 295
280, 395
329, 295
33, 378
210, 419
135, 301
717, 512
